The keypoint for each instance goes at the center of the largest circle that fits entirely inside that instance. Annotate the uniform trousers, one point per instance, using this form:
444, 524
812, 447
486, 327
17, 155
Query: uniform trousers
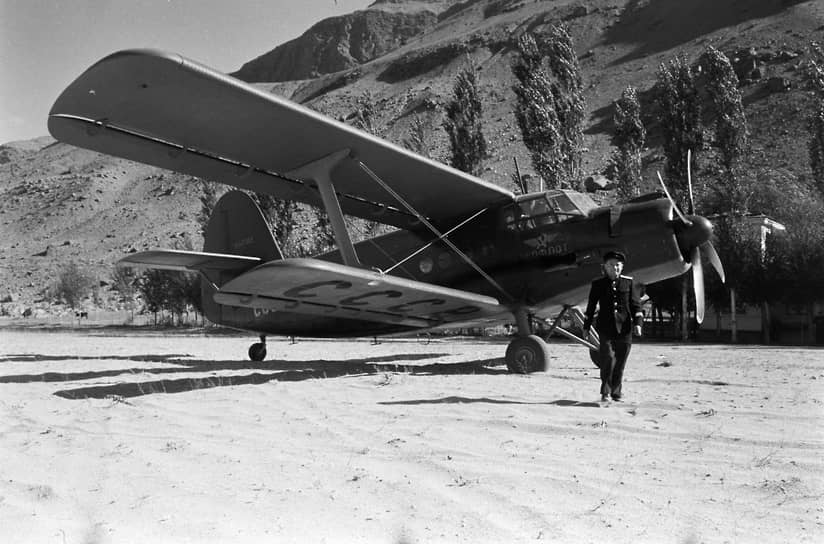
613, 358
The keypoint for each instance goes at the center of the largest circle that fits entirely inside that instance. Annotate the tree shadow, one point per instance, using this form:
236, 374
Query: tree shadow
275, 370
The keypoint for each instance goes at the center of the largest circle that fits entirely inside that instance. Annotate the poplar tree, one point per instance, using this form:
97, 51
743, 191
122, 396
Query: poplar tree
418, 135
550, 105
536, 114
365, 114
569, 98
730, 128
629, 139
279, 214
680, 119
463, 124
815, 124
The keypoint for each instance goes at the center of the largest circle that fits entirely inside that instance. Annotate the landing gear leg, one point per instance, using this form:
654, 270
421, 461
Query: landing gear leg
257, 351
590, 340
528, 352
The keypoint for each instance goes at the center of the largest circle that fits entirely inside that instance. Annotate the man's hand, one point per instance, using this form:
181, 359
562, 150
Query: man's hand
637, 330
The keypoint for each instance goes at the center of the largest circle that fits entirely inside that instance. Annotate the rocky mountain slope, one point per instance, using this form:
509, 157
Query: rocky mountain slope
60, 204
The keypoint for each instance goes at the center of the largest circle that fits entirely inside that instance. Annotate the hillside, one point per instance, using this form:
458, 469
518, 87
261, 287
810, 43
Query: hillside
60, 204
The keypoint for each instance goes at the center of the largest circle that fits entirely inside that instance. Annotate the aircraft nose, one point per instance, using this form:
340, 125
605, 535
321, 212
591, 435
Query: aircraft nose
694, 233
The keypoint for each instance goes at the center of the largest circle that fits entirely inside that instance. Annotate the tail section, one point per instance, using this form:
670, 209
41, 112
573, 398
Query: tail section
236, 227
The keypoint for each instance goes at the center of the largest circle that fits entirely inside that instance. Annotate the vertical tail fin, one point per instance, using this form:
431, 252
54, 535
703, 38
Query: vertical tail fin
236, 227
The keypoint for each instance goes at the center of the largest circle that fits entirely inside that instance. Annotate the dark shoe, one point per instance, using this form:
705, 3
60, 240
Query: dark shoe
617, 399
604, 398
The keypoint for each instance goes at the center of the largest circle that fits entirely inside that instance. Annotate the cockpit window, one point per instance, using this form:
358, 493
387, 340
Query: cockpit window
555, 206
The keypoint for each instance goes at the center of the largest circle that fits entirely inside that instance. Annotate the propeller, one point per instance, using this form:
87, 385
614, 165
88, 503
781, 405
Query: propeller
693, 234
698, 283
691, 209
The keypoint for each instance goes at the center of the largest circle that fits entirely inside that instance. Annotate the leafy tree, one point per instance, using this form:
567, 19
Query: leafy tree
535, 113
365, 115
153, 286
816, 145
550, 105
123, 281
680, 120
629, 139
569, 100
731, 196
463, 124
208, 201
279, 213
73, 285
731, 133
418, 138
816, 122
796, 258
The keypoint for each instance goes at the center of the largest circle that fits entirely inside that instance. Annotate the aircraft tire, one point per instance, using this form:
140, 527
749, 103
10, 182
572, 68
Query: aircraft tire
594, 356
527, 354
257, 351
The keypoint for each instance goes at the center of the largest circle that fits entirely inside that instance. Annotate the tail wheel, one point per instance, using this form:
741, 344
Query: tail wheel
527, 354
257, 351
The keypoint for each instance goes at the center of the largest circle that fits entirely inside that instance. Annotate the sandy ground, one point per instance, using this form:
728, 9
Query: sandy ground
106, 437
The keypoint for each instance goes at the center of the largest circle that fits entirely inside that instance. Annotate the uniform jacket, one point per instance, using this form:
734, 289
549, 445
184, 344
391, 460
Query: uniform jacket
619, 307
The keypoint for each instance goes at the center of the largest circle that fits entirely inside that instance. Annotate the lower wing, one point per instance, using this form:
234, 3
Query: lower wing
321, 288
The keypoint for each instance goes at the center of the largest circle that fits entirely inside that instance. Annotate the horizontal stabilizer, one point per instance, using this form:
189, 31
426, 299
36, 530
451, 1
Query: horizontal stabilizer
193, 261
315, 287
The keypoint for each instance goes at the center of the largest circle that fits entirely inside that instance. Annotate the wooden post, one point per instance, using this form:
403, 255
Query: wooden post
685, 314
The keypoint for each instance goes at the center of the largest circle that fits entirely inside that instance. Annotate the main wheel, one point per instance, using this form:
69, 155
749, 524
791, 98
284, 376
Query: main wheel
595, 357
257, 351
527, 354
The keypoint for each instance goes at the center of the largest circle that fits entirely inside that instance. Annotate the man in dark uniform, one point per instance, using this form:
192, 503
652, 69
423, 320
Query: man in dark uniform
619, 315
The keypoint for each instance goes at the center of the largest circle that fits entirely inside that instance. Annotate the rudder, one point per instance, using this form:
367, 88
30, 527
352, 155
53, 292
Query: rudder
236, 227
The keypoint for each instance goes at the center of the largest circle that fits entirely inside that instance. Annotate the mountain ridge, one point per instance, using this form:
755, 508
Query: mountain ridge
61, 204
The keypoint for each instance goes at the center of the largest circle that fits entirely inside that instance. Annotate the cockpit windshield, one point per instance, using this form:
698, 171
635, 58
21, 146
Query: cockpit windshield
555, 206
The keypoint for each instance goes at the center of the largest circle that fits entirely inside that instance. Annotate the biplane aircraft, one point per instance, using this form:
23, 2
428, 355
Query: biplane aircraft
466, 251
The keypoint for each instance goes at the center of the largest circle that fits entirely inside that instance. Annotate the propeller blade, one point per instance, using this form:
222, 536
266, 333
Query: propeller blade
715, 260
674, 206
698, 283
691, 209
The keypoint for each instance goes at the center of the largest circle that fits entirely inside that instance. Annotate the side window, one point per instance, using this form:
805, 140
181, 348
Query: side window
563, 206
529, 214
510, 217
537, 212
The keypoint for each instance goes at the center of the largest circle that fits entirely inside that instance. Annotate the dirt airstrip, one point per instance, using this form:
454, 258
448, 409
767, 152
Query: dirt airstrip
115, 437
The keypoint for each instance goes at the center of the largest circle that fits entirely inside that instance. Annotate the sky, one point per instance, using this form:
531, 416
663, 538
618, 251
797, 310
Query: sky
46, 44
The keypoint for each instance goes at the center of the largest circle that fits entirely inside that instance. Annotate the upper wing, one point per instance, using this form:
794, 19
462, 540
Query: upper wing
192, 261
316, 287
168, 111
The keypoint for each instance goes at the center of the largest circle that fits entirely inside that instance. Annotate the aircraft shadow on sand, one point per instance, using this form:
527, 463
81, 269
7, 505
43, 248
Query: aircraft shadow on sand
279, 370
469, 400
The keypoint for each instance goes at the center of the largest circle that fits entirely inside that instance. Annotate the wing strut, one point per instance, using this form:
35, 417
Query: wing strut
441, 237
437, 233
320, 171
